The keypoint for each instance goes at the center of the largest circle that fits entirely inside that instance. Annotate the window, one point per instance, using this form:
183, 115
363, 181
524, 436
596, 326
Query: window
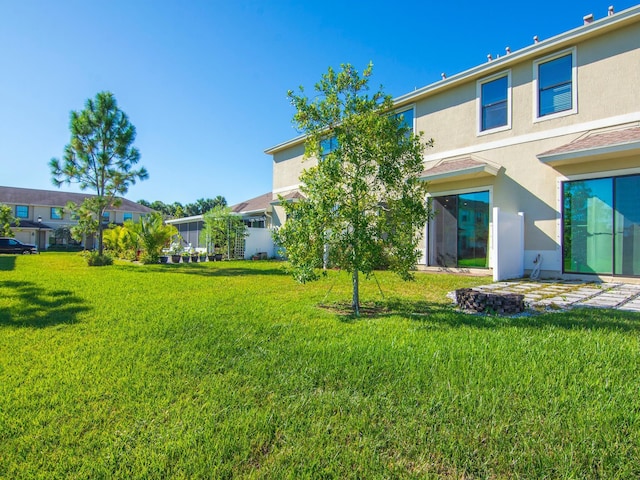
554, 81
601, 226
56, 213
105, 217
22, 211
327, 146
407, 118
494, 102
127, 216
459, 231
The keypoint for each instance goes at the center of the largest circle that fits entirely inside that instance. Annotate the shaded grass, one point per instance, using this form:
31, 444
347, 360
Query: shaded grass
229, 369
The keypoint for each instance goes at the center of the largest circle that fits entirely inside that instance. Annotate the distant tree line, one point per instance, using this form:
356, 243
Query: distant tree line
177, 210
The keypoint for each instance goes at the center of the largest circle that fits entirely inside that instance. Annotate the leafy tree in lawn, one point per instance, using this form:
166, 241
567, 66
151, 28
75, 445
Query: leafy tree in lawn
221, 228
6, 218
364, 203
99, 157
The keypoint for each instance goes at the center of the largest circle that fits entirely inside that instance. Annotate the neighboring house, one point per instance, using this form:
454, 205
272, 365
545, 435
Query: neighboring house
536, 160
43, 218
256, 214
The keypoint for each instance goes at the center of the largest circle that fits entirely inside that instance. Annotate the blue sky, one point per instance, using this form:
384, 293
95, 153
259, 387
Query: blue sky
205, 82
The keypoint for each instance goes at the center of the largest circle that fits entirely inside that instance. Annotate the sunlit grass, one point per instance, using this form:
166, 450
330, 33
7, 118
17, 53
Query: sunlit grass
230, 369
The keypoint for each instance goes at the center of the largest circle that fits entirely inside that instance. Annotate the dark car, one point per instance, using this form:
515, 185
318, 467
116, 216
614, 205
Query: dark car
11, 245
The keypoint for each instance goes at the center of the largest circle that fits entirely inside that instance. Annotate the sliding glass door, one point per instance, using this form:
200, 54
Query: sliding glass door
601, 226
459, 231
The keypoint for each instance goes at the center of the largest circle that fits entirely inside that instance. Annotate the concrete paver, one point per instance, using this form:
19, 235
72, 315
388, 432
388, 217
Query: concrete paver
569, 294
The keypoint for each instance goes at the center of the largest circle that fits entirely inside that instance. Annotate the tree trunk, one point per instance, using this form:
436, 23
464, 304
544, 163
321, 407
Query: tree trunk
355, 302
100, 248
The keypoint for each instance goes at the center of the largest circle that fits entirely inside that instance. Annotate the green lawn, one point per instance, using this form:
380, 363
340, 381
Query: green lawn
230, 369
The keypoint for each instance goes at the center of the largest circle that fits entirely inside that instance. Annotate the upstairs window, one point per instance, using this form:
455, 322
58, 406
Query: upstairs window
406, 117
22, 211
555, 85
494, 102
327, 146
56, 213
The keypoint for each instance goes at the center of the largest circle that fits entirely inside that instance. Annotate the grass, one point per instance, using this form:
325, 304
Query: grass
230, 369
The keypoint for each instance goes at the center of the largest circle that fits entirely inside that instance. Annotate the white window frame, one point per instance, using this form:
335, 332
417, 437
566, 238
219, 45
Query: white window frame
574, 85
479, 84
401, 110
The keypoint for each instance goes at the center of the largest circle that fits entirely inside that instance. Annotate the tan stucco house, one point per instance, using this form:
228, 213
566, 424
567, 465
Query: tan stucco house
43, 216
536, 163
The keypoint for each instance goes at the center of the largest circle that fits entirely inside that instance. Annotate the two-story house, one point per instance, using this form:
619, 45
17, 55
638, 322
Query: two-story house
536, 162
44, 220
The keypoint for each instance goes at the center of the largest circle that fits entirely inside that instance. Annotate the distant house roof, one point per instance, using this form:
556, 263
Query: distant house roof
57, 198
254, 205
595, 146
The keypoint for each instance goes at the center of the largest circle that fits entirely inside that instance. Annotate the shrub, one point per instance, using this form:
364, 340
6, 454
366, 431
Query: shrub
94, 259
148, 258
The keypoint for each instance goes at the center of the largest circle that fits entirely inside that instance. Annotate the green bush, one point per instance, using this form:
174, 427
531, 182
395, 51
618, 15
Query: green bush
65, 248
94, 259
150, 258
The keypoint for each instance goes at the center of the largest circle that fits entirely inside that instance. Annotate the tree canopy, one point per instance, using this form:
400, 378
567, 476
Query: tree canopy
6, 219
99, 157
177, 210
364, 204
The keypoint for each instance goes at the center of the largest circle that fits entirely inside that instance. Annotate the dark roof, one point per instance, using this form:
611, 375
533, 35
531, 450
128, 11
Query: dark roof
263, 202
29, 224
57, 198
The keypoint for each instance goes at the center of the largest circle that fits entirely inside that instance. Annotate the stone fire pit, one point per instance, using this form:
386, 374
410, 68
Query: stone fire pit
502, 303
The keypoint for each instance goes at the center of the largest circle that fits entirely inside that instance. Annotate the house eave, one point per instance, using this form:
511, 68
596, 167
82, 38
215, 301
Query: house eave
592, 154
556, 42
463, 174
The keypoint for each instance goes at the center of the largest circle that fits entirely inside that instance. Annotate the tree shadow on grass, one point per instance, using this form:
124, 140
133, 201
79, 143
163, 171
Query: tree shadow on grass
431, 315
7, 263
205, 270
34, 306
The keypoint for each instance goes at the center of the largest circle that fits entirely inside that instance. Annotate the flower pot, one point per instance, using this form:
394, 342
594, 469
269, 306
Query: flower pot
164, 259
218, 257
194, 258
186, 259
175, 258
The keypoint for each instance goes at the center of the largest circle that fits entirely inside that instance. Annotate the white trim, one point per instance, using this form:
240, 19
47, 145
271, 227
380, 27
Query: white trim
287, 189
603, 174
406, 108
574, 85
533, 137
479, 84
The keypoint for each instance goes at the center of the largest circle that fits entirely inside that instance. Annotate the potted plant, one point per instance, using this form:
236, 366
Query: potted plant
186, 257
176, 251
203, 256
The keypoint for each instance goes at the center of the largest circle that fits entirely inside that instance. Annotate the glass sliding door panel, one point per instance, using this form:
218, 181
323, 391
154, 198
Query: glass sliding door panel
473, 229
588, 226
444, 231
627, 225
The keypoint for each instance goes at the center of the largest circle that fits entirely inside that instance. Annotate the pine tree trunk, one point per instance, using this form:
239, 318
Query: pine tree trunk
100, 247
355, 303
